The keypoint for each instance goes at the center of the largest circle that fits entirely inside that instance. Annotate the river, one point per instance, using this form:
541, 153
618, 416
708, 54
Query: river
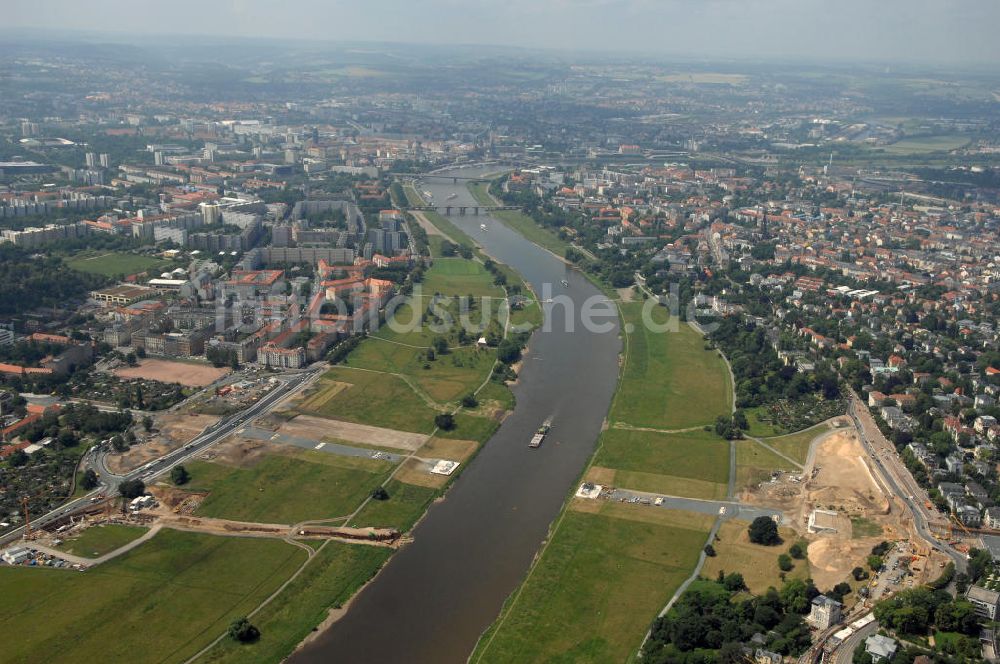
436, 595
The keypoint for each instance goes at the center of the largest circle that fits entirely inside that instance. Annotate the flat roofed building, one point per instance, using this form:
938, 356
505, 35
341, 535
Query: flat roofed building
122, 295
986, 601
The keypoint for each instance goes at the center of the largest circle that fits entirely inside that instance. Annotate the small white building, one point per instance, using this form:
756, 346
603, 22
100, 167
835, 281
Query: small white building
16, 555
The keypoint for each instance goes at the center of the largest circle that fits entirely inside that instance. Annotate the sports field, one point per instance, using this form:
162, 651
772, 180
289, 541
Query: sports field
127, 610
605, 573
669, 380
117, 263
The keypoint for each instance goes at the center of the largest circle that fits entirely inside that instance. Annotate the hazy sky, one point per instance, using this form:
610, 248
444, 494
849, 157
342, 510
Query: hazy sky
926, 30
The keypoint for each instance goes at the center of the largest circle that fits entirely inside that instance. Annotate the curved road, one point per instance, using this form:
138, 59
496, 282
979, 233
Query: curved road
210, 436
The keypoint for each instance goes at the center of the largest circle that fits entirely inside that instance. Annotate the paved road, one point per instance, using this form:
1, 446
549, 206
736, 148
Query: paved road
329, 448
726, 509
897, 477
210, 436
845, 651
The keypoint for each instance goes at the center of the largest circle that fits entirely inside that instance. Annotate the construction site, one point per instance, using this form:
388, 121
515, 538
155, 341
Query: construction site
841, 506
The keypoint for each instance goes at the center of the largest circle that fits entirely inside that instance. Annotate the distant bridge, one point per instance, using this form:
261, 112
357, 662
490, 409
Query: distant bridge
461, 210
455, 179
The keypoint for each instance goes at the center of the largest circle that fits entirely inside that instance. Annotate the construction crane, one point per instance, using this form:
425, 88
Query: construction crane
27, 518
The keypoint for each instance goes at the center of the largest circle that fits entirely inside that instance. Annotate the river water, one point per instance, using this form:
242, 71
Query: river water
436, 595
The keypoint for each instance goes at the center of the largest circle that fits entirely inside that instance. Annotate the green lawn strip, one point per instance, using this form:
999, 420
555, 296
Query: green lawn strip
413, 197
796, 445
599, 582
98, 540
520, 222
670, 485
755, 463
285, 489
377, 399
470, 427
405, 505
696, 455
161, 602
669, 380
328, 581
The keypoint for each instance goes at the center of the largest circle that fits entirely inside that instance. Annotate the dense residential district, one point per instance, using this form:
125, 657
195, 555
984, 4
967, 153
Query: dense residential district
277, 356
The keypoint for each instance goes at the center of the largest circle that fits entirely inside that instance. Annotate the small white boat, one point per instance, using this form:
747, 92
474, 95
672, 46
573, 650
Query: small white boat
482, 227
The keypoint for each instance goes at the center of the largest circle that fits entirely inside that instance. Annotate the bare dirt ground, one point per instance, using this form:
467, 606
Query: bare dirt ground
626, 294
244, 452
165, 371
175, 430
448, 448
425, 224
417, 472
832, 558
840, 480
601, 475
317, 428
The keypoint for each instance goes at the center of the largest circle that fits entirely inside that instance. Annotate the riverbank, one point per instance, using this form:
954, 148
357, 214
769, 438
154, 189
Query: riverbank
608, 568
473, 548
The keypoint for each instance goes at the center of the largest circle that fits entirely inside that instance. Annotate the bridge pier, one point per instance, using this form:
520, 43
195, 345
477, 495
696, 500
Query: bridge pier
475, 211
461, 211
447, 211
454, 180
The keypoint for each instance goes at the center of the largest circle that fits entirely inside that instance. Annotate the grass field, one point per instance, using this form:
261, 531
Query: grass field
98, 540
669, 381
115, 263
661, 462
520, 222
330, 579
129, 609
598, 582
759, 427
796, 445
754, 463
927, 144
757, 563
862, 528
404, 507
372, 398
286, 489
458, 276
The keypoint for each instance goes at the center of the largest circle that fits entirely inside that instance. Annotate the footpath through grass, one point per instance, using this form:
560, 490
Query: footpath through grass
98, 540
589, 598
327, 582
161, 602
